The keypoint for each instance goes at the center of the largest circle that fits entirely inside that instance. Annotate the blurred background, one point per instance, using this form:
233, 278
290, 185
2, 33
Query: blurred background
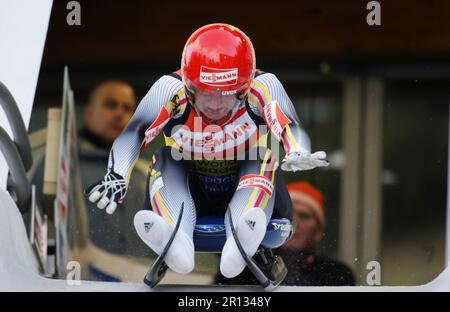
375, 98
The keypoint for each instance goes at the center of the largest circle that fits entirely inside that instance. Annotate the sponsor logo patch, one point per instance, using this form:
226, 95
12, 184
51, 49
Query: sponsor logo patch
275, 119
231, 92
251, 224
281, 227
254, 180
218, 77
156, 127
148, 226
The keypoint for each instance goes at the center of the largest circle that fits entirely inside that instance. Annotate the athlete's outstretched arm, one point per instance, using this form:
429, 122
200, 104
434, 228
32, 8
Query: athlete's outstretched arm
276, 108
150, 117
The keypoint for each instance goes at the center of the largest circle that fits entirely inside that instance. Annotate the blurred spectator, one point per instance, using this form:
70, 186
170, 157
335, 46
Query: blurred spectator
114, 248
110, 107
305, 267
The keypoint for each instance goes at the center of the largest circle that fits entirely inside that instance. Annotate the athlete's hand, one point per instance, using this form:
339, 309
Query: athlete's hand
108, 192
304, 161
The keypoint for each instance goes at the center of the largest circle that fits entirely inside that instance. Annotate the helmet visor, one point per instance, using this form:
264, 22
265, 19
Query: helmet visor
215, 106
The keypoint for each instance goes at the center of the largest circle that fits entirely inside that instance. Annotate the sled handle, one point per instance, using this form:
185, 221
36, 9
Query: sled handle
9, 105
21, 185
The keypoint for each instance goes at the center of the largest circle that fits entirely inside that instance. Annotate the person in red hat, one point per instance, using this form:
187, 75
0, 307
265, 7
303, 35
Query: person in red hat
305, 267
309, 214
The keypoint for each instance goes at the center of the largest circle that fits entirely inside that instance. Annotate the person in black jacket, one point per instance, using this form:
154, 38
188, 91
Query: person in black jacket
305, 267
110, 106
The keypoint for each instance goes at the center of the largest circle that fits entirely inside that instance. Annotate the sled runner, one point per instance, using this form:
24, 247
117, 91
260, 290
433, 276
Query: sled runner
210, 236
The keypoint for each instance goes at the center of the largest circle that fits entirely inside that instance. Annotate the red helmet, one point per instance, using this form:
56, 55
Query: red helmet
218, 63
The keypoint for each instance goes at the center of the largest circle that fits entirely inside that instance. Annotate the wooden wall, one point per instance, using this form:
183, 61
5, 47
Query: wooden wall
140, 30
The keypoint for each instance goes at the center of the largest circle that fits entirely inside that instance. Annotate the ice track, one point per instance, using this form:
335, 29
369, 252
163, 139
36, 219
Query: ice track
19, 268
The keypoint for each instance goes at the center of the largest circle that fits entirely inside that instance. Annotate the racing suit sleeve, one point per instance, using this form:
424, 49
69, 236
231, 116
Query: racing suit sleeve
152, 114
269, 100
